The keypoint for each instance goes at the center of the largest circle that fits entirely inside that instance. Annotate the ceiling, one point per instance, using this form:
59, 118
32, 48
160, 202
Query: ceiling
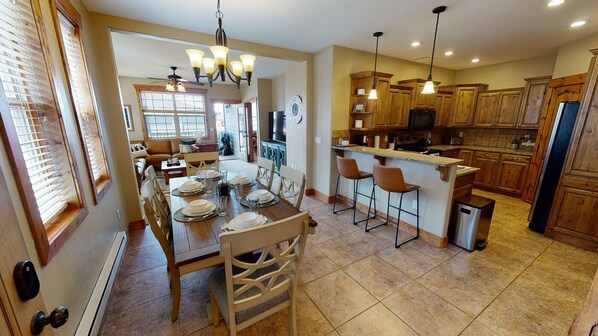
159, 55
496, 31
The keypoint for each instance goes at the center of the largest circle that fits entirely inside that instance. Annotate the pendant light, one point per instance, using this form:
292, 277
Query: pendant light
429, 86
373, 92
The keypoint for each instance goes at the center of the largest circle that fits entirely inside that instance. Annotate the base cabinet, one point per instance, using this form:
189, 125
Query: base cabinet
505, 173
275, 151
488, 170
511, 176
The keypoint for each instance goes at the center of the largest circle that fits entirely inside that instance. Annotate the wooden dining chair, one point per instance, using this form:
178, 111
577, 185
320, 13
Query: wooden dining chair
292, 186
248, 291
201, 161
150, 174
265, 172
159, 212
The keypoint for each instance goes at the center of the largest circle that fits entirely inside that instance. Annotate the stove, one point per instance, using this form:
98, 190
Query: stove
419, 149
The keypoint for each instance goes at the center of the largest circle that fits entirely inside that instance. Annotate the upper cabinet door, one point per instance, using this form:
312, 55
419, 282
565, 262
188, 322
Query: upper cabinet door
533, 101
463, 110
508, 108
486, 110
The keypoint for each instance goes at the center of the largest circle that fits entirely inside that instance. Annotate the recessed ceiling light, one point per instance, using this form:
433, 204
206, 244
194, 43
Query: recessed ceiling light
416, 44
475, 60
577, 24
448, 53
553, 3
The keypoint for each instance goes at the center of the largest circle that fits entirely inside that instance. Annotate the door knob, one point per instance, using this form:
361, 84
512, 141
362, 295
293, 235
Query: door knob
56, 319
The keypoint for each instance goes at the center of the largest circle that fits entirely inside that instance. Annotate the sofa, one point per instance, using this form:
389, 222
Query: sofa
159, 150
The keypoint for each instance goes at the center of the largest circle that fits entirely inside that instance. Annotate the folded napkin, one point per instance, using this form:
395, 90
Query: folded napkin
245, 221
191, 186
240, 179
260, 195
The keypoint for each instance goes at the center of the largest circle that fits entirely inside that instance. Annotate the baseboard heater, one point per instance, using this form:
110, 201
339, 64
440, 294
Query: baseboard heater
94, 311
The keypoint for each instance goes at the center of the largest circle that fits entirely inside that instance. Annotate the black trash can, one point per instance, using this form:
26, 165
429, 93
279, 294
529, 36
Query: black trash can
470, 222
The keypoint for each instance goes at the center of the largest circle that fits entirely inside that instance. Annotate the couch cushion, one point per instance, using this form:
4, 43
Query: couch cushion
159, 146
156, 160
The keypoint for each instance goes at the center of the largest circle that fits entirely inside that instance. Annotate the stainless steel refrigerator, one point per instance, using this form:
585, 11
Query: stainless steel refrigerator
553, 165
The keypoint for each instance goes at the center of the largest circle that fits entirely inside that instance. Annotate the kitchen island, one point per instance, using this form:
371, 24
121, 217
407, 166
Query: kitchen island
435, 175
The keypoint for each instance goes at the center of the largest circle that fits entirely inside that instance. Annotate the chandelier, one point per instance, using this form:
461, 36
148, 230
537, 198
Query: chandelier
217, 67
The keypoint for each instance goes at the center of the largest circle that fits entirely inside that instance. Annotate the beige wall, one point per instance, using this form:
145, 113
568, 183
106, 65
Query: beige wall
278, 93
509, 74
574, 58
295, 83
129, 97
264, 105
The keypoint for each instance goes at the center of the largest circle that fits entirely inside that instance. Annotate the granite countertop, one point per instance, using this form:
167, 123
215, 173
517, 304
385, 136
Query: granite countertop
467, 170
484, 148
403, 155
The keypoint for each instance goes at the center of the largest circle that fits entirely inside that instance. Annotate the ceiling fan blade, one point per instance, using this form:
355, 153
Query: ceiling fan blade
194, 83
163, 79
421, 58
182, 80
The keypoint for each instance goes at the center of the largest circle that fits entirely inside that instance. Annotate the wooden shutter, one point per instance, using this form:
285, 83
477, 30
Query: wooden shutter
69, 27
33, 131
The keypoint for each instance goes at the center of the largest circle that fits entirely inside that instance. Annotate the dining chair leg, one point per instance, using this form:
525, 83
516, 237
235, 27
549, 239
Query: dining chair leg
176, 293
215, 312
293, 317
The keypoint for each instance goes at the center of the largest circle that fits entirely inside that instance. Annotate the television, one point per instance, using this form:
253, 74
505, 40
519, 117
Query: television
277, 126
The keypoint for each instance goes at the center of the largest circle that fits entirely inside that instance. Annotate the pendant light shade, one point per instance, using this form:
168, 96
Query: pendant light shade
429, 86
373, 92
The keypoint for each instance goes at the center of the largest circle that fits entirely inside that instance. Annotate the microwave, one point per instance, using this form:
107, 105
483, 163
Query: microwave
421, 120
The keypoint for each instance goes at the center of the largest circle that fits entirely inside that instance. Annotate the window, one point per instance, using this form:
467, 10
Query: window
174, 114
33, 131
70, 32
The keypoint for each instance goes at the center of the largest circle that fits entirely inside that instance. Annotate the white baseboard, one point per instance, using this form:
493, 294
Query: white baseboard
94, 311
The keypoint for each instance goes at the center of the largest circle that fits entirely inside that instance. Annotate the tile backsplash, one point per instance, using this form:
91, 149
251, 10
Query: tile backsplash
491, 137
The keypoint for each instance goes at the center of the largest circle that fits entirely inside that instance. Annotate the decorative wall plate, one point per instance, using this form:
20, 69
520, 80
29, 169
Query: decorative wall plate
296, 109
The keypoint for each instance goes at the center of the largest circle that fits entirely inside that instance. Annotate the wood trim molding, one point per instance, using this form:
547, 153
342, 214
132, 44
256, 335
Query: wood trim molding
443, 172
225, 101
136, 225
319, 195
68, 10
160, 88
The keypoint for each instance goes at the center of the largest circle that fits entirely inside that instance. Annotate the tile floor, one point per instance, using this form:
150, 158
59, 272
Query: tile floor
357, 283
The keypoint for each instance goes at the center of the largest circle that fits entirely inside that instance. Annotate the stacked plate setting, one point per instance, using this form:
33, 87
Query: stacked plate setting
240, 179
208, 173
198, 208
261, 195
245, 221
191, 186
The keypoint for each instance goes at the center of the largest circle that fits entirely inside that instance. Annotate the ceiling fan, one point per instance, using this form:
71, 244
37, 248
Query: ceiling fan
175, 82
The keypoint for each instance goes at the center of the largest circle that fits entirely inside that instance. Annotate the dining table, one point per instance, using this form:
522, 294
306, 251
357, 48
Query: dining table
196, 244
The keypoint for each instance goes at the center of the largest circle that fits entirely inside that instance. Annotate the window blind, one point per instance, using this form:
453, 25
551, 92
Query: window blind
32, 125
83, 100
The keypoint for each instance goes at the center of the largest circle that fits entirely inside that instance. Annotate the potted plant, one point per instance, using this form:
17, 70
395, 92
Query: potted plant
514, 144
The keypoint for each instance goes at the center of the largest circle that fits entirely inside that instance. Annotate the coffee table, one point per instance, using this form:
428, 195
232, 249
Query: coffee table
179, 170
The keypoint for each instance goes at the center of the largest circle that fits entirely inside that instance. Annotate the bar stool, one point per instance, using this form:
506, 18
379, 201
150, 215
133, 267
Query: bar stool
390, 179
349, 170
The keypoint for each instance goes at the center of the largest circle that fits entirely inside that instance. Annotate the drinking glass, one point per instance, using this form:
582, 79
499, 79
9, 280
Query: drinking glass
238, 191
254, 205
209, 183
222, 205
223, 176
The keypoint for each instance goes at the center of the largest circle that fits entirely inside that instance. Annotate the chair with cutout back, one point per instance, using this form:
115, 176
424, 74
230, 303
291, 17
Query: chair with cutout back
248, 291
292, 186
201, 161
265, 172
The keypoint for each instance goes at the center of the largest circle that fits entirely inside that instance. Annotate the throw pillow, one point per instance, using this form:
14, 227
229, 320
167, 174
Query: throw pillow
184, 149
138, 150
187, 142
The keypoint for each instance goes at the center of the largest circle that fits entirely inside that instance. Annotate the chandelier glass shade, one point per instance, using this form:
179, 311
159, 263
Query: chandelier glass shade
429, 86
373, 92
218, 66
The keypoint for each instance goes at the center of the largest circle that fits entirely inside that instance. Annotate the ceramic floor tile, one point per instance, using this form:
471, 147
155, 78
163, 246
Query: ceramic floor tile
559, 279
324, 232
197, 278
477, 329
408, 260
437, 253
150, 318
425, 312
572, 259
310, 320
345, 250
469, 284
140, 238
193, 315
343, 225
339, 297
377, 277
134, 289
222, 330
315, 265
519, 242
377, 320
368, 242
503, 256
142, 258
506, 317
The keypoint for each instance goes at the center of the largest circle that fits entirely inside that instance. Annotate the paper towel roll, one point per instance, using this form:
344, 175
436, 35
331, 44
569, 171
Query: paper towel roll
377, 141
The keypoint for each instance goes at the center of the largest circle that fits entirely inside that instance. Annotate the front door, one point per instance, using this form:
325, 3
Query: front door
245, 131
15, 315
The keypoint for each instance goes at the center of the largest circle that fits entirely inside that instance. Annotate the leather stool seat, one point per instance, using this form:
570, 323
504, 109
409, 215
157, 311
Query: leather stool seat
348, 169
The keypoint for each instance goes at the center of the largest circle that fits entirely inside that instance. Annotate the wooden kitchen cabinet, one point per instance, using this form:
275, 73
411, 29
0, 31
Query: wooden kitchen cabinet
498, 108
512, 173
533, 101
467, 156
443, 103
399, 102
488, 164
576, 213
464, 104
376, 110
451, 153
420, 100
